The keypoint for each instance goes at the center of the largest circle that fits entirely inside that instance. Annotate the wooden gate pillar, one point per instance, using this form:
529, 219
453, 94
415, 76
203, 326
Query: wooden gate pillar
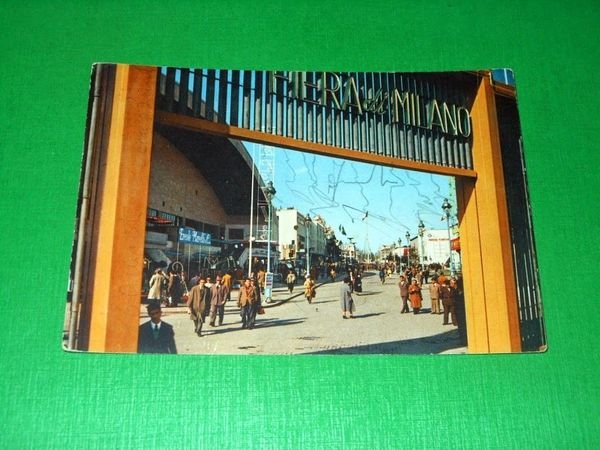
120, 236
486, 249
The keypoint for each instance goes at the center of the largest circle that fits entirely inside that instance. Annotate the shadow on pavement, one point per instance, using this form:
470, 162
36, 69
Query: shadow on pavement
228, 327
368, 274
260, 323
438, 343
364, 316
366, 294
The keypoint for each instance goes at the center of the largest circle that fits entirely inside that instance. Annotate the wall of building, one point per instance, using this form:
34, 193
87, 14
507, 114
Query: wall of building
318, 237
288, 220
177, 187
436, 246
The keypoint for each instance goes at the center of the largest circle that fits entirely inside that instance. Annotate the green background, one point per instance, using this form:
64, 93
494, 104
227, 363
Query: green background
53, 399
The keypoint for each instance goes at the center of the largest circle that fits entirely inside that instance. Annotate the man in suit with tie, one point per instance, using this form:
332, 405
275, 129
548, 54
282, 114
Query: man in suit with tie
218, 297
156, 336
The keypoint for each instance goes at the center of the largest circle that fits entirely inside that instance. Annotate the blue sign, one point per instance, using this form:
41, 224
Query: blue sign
191, 236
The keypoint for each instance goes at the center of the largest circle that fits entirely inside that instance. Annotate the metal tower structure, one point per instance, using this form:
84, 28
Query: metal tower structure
266, 163
266, 169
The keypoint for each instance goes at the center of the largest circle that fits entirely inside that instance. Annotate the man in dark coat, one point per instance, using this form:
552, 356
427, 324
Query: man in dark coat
218, 297
448, 294
403, 285
197, 298
156, 336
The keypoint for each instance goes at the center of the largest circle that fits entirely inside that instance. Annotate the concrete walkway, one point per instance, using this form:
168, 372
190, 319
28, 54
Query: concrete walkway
292, 326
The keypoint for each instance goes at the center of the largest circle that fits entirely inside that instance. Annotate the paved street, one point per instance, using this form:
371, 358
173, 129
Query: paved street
296, 327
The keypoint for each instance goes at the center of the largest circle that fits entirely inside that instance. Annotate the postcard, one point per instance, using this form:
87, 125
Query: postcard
248, 212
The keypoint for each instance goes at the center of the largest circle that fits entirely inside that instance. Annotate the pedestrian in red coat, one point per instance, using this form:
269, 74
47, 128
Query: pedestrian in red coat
414, 295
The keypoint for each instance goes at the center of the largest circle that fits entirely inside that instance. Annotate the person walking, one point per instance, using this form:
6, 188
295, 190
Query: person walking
357, 283
208, 286
218, 298
403, 285
442, 279
434, 294
156, 283
261, 279
346, 300
448, 292
194, 280
227, 281
309, 289
290, 280
415, 297
198, 296
246, 300
176, 287
156, 336
257, 305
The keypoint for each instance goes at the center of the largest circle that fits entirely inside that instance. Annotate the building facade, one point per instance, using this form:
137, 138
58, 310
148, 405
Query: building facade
301, 237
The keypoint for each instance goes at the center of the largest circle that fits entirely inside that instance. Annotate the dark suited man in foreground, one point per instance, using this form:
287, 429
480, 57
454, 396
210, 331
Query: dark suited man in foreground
156, 336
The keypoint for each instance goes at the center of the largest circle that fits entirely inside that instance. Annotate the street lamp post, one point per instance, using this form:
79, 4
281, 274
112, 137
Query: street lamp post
421, 234
399, 268
269, 192
307, 222
446, 206
408, 250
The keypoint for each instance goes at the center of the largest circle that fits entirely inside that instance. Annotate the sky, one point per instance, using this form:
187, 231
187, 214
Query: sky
375, 205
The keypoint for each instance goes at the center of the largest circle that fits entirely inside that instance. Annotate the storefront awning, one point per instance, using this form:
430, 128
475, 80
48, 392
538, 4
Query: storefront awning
157, 256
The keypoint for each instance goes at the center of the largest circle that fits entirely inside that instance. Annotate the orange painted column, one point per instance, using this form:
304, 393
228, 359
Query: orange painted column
472, 268
486, 246
121, 231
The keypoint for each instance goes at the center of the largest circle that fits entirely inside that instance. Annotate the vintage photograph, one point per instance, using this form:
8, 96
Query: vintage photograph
245, 212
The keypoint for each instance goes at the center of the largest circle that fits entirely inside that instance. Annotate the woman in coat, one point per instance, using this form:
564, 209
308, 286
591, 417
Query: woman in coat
290, 280
309, 289
156, 286
346, 300
414, 295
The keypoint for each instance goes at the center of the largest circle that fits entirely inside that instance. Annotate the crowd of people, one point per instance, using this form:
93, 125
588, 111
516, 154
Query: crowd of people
206, 300
446, 294
167, 286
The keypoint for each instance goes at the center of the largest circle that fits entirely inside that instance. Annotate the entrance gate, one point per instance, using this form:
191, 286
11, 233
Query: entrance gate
450, 123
